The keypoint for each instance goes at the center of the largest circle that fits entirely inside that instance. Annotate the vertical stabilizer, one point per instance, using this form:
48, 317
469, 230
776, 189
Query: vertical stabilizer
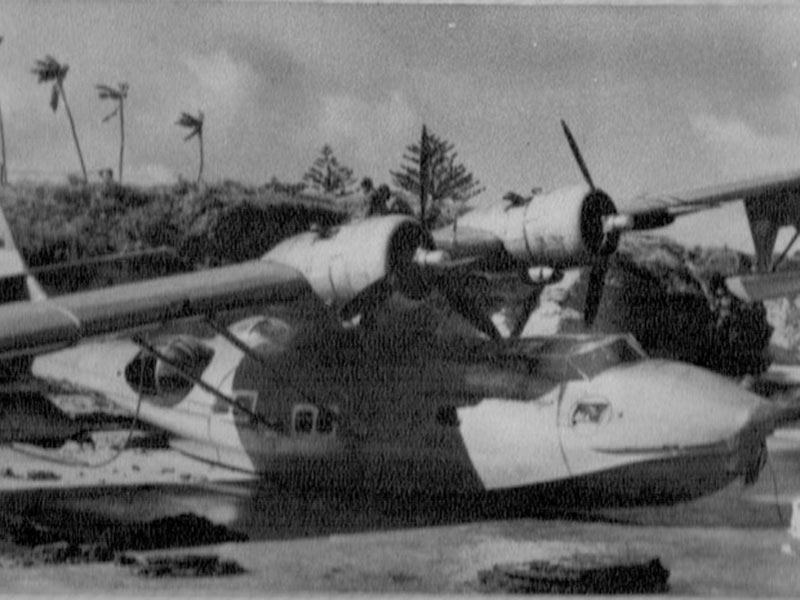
16, 282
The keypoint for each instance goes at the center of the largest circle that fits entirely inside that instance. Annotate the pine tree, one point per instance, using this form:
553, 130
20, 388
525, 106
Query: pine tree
326, 176
432, 174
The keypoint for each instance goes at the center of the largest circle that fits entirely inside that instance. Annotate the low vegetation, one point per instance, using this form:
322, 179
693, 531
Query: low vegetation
674, 301
206, 225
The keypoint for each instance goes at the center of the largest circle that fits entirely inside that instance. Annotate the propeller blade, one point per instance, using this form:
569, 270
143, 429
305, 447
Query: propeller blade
528, 305
577, 154
594, 292
369, 300
466, 302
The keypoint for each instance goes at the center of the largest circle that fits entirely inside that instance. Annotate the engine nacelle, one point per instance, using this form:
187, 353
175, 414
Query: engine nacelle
560, 229
341, 263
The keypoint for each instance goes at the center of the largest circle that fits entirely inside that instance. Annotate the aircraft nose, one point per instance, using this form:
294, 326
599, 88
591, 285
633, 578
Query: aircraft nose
665, 404
667, 431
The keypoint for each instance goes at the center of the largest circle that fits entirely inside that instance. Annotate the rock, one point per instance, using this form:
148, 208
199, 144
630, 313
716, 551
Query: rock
180, 565
64, 542
42, 476
182, 530
578, 574
55, 553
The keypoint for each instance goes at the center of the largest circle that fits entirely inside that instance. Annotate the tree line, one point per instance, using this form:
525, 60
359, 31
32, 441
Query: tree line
435, 185
430, 183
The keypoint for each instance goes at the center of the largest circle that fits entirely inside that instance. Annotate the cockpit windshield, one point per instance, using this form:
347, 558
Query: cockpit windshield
594, 357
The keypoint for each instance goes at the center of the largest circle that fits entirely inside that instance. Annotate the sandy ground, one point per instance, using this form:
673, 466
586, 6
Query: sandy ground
736, 542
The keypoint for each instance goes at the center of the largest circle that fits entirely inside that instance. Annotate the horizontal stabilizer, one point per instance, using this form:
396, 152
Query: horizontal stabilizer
764, 286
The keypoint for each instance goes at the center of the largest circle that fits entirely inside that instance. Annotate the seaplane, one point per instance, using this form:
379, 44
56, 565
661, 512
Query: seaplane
355, 359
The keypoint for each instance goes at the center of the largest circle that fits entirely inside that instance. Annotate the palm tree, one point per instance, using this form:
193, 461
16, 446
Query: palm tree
48, 70
3, 169
196, 126
118, 95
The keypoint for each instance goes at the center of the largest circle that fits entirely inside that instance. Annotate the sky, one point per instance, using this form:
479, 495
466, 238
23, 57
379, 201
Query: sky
659, 98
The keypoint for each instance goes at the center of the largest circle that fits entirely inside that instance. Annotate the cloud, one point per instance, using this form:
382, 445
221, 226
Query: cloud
361, 131
150, 174
742, 150
221, 82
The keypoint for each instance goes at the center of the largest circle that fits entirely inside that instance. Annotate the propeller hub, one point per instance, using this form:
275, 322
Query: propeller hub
600, 240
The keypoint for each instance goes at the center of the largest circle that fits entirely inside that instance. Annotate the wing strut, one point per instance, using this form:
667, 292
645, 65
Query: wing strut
779, 260
147, 347
248, 351
224, 332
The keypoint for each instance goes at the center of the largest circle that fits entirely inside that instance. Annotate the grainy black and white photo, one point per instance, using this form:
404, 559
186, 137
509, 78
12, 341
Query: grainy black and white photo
399, 298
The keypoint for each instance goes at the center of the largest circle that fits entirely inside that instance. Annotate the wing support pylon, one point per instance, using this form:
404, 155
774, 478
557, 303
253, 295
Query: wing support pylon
147, 347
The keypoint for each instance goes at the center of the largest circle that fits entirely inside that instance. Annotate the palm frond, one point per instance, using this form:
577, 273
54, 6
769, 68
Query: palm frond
50, 69
104, 91
111, 115
191, 122
187, 120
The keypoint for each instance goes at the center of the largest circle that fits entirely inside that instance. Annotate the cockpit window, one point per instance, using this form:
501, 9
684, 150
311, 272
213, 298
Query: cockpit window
597, 357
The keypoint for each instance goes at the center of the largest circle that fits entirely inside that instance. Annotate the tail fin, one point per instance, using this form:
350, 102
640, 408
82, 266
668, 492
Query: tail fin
16, 281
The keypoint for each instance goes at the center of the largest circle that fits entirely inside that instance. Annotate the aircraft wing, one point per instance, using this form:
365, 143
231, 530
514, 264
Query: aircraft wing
778, 186
30, 328
770, 203
764, 286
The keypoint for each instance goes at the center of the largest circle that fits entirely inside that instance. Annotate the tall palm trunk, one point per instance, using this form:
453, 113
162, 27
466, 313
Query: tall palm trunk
3, 167
74, 132
200, 171
121, 137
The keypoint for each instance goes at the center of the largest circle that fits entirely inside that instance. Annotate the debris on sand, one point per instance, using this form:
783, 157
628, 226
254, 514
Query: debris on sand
180, 565
169, 532
66, 552
148, 441
40, 475
31, 543
578, 574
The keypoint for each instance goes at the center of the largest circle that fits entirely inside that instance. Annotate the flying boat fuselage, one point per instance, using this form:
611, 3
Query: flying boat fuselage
574, 421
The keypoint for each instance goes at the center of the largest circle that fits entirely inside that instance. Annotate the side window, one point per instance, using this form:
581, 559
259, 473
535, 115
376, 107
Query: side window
141, 373
304, 419
308, 419
326, 420
447, 416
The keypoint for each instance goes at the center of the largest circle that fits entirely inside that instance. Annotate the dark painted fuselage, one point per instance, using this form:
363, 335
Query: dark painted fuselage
402, 406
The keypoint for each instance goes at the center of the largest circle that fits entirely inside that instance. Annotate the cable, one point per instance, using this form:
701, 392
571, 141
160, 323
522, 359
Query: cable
87, 464
775, 490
